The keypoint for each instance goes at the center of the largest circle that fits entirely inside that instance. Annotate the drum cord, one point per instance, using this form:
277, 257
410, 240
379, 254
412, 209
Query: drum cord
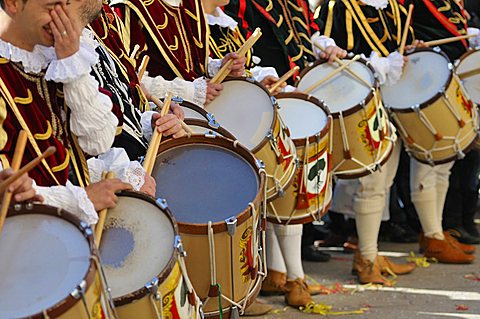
112, 313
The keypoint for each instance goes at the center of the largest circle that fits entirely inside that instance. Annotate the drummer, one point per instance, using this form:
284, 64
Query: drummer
345, 21
22, 189
278, 50
91, 126
428, 184
178, 50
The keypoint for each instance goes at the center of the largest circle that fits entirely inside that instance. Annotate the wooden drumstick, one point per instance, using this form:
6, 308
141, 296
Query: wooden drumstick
468, 74
341, 62
143, 67
134, 51
331, 75
102, 215
401, 50
27, 168
283, 79
224, 70
156, 139
159, 105
447, 40
16, 161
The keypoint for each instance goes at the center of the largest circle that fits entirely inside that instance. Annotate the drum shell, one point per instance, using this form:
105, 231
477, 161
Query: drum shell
318, 144
70, 307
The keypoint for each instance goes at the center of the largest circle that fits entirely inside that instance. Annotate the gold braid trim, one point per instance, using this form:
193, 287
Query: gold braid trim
329, 23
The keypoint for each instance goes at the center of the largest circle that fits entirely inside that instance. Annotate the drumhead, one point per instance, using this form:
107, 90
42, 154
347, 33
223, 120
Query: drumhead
193, 111
303, 118
137, 244
426, 73
204, 182
343, 91
470, 61
43, 259
244, 109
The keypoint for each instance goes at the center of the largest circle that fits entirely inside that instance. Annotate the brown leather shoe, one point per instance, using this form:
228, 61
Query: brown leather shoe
387, 266
368, 272
317, 289
297, 294
257, 308
467, 249
274, 283
446, 252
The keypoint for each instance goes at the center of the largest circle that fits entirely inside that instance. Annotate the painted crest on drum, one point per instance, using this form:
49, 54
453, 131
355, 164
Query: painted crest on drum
97, 311
462, 100
246, 256
373, 129
314, 183
284, 148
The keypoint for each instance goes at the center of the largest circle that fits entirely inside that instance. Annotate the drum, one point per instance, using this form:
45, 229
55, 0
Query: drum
247, 110
429, 106
362, 137
310, 194
50, 266
214, 187
193, 111
202, 127
470, 62
142, 256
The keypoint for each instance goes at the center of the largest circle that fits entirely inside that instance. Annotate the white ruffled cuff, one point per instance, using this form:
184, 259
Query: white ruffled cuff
71, 68
146, 121
475, 41
71, 198
323, 41
187, 90
389, 69
377, 4
289, 88
259, 73
214, 66
200, 91
116, 160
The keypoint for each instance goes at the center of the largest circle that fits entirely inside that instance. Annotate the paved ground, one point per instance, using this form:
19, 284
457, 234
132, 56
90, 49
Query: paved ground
439, 291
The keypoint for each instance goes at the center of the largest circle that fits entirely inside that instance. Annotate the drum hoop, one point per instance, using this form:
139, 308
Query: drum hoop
434, 97
204, 124
250, 80
303, 220
466, 54
220, 226
194, 107
299, 142
162, 276
68, 301
356, 107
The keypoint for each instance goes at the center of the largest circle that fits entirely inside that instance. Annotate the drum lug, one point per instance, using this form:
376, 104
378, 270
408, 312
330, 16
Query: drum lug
152, 287
179, 246
210, 134
141, 159
86, 229
79, 292
234, 313
177, 99
274, 102
212, 122
260, 164
162, 202
231, 225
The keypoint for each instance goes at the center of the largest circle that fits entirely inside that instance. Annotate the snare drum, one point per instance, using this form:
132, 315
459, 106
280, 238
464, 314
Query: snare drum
470, 61
202, 127
193, 111
310, 195
246, 109
50, 266
435, 119
215, 190
362, 137
142, 257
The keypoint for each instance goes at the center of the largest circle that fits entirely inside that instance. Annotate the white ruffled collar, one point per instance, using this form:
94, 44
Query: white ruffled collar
377, 4
222, 19
32, 62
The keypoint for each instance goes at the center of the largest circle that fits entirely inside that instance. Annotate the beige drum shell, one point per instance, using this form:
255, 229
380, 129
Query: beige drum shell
436, 110
281, 167
360, 145
229, 250
285, 205
69, 307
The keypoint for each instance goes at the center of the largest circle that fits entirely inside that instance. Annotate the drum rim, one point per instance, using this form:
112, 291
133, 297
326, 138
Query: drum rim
165, 272
299, 142
465, 55
251, 80
437, 95
356, 107
68, 301
202, 123
303, 220
244, 215
194, 107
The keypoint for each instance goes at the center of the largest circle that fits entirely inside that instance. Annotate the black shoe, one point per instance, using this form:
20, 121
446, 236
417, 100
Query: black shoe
311, 253
397, 233
460, 234
472, 230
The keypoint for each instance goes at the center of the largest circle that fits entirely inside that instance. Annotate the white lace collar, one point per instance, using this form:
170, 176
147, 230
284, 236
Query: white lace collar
32, 62
377, 4
222, 19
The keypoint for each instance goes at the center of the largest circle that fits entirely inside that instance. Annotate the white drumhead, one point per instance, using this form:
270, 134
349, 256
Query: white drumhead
245, 110
136, 246
192, 114
303, 118
43, 259
425, 74
472, 83
343, 91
